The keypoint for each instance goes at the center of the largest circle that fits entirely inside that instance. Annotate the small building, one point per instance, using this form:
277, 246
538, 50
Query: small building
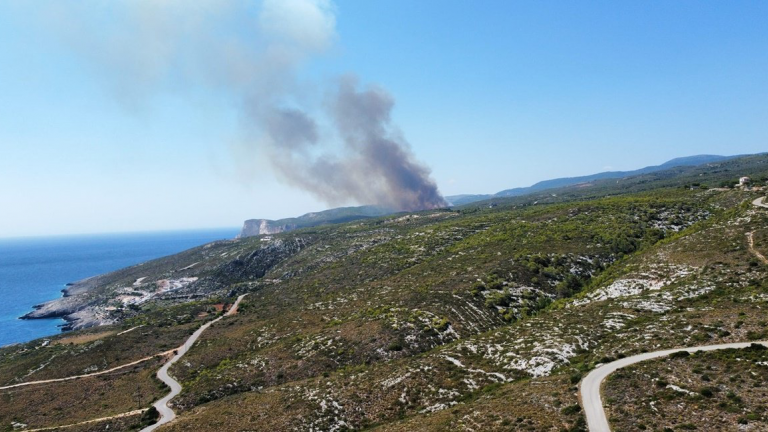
744, 181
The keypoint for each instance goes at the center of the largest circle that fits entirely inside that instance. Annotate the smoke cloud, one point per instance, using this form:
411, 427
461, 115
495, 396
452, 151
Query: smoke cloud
343, 150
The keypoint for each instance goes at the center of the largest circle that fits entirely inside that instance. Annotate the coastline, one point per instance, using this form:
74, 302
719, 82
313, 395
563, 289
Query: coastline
46, 284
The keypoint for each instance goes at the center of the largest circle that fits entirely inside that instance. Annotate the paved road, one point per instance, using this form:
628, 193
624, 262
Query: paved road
591, 399
589, 389
166, 413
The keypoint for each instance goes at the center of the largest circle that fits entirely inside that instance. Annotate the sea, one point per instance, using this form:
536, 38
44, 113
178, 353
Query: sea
34, 270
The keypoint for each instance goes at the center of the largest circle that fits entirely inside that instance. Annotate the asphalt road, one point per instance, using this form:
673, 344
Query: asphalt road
589, 388
591, 399
166, 413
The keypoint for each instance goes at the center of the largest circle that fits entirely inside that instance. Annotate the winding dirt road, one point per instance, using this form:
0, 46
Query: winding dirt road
755, 252
54, 380
760, 202
98, 420
166, 413
589, 389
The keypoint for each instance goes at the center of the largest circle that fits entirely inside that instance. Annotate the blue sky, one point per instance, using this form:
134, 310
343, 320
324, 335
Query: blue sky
98, 133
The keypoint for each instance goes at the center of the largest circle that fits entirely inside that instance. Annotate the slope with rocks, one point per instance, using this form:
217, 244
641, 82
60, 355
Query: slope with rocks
193, 274
649, 300
431, 320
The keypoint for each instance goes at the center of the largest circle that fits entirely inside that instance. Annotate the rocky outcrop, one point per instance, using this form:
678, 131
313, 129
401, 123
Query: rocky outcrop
189, 275
256, 264
255, 227
76, 310
58, 308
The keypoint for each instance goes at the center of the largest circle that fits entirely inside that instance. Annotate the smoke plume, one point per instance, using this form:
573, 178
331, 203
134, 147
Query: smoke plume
374, 166
344, 149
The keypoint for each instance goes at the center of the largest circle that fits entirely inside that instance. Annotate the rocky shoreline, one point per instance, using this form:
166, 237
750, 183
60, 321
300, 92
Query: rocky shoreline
74, 307
202, 271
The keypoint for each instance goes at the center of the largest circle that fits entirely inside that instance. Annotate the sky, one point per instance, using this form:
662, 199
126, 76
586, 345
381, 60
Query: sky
133, 116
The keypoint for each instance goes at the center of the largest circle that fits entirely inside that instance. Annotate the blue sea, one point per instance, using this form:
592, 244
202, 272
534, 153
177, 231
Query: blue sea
35, 270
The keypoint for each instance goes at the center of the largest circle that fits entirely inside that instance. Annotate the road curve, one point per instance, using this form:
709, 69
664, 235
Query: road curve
166, 413
589, 388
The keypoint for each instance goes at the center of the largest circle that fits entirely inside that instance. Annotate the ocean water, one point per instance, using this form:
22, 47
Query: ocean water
35, 270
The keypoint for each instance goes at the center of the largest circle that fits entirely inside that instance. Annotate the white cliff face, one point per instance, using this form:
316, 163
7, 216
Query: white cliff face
264, 227
255, 227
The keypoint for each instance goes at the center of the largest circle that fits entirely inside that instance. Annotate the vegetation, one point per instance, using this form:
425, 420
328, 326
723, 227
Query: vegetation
434, 320
705, 391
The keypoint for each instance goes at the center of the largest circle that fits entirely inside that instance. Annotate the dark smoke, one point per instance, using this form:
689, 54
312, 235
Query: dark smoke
221, 45
375, 166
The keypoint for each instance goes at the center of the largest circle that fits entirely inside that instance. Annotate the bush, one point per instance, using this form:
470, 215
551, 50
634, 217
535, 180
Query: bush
575, 378
679, 354
579, 426
571, 409
149, 417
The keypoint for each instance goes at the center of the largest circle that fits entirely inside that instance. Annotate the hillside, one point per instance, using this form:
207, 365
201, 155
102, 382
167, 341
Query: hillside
474, 318
255, 227
688, 161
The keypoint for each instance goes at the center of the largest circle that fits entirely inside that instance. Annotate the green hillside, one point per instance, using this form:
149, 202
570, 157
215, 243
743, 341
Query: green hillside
483, 317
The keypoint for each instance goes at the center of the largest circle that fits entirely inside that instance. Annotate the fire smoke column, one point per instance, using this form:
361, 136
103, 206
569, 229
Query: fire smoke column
381, 154
342, 151
374, 165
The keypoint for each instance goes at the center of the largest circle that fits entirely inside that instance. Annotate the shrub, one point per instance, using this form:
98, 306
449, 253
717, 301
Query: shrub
576, 377
571, 409
149, 417
679, 354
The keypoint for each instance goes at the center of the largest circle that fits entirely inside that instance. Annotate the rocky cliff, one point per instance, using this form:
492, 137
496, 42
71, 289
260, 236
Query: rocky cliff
254, 227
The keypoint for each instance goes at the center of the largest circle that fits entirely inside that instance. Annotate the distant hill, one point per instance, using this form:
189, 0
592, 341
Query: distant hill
457, 200
254, 227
